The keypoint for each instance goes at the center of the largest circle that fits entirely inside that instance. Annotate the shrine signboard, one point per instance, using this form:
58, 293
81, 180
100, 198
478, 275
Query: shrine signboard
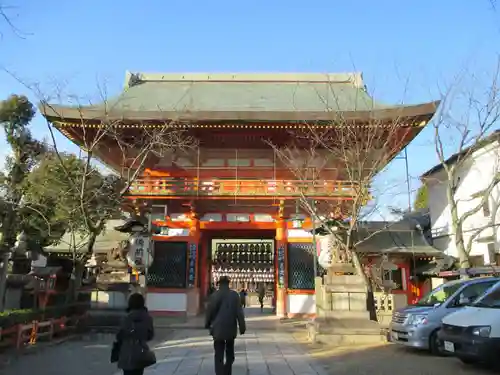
281, 266
192, 265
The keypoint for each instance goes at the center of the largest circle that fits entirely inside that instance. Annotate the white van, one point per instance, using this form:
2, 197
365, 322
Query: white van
473, 333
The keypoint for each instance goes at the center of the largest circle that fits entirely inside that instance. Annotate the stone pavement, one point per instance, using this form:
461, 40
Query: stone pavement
268, 348
263, 350
190, 352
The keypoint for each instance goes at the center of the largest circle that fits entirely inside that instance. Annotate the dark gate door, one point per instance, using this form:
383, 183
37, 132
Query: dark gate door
169, 268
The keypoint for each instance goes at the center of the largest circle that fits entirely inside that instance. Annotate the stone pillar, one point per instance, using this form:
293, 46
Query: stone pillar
319, 297
281, 268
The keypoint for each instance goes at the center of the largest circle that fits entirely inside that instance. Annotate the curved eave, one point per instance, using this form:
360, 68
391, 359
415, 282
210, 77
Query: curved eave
83, 114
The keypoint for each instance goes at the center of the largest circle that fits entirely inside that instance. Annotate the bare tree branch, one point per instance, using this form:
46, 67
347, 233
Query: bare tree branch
470, 132
6, 18
352, 154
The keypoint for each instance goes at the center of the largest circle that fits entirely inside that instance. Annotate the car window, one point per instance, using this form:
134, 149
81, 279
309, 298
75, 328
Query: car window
472, 292
439, 295
490, 300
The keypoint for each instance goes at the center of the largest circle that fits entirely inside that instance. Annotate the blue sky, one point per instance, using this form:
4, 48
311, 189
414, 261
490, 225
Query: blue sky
407, 52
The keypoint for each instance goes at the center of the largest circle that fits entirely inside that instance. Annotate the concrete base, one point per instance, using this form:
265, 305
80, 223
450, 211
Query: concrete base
346, 332
343, 317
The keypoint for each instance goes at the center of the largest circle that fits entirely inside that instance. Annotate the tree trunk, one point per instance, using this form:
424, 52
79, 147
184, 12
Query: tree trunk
90, 244
93, 237
355, 259
78, 271
356, 262
457, 228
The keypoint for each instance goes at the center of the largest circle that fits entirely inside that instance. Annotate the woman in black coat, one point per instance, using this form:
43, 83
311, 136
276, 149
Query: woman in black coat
135, 331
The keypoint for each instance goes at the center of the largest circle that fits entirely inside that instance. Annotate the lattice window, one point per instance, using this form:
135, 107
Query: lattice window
301, 266
169, 268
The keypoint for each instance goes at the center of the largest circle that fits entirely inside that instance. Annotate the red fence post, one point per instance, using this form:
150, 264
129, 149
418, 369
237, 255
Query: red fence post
34, 329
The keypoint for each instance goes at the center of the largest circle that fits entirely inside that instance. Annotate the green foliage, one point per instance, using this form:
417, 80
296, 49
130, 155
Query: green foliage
422, 198
15, 312
16, 113
46, 194
73, 196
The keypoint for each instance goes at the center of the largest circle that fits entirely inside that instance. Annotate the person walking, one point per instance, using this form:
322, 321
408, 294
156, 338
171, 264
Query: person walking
262, 294
224, 316
130, 349
243, 297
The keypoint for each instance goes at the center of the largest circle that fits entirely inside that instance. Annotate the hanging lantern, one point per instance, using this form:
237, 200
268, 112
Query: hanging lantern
140, 255
325, 250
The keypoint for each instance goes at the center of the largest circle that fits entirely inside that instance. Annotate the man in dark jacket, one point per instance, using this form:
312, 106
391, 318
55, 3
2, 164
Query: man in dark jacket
224, 315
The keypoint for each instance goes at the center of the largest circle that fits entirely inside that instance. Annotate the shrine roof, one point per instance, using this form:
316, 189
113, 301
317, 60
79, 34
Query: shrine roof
239, 97
410, 235
107, 240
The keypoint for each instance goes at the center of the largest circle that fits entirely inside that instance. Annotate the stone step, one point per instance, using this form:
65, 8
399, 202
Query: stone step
346, 339
346, 331
344, 314
346, 288
343, 280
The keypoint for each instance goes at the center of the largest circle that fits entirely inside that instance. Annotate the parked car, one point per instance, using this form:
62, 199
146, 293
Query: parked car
417, 325
473, 333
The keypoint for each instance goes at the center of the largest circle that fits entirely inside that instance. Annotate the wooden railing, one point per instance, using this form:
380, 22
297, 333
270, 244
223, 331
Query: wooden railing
164, 186
21, 335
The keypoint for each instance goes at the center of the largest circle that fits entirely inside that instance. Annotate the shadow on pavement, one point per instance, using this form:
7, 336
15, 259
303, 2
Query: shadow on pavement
386, 359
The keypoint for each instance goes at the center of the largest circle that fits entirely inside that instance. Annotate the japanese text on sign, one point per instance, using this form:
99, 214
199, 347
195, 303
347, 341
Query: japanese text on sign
281, 266
192, 265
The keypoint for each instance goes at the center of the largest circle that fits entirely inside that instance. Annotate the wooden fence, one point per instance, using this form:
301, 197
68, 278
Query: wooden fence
22, 335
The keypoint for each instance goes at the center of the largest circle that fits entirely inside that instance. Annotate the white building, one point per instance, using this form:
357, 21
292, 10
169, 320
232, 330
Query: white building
478, 167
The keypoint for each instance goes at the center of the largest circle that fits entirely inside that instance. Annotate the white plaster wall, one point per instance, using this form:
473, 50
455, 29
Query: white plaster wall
438, 207
475, 176
169, 232
298, 233
301, 304
176, 302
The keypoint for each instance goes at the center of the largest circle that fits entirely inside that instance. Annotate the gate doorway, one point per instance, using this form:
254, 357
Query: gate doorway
249, 264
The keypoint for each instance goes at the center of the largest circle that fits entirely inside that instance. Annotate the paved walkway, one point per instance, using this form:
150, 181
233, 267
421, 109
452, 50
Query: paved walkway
265, 349
190, 352
268, 348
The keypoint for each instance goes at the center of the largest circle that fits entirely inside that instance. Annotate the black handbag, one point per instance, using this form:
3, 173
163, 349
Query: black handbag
115, 351
147, 357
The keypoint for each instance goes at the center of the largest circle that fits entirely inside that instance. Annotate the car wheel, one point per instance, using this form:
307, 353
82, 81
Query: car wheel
436, 345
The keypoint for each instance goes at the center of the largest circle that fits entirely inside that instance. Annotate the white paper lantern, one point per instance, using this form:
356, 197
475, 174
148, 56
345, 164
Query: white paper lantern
325, 257
140, 255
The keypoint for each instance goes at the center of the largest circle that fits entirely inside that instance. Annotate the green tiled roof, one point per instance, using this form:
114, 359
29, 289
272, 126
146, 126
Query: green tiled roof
281, 97
106, 241
244, 92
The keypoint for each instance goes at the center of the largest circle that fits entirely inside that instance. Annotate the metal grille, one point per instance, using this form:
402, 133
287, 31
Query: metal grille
301, 266
169, 268
399, 318
454, 330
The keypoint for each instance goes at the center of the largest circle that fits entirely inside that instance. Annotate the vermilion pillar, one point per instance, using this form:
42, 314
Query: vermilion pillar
281, 268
